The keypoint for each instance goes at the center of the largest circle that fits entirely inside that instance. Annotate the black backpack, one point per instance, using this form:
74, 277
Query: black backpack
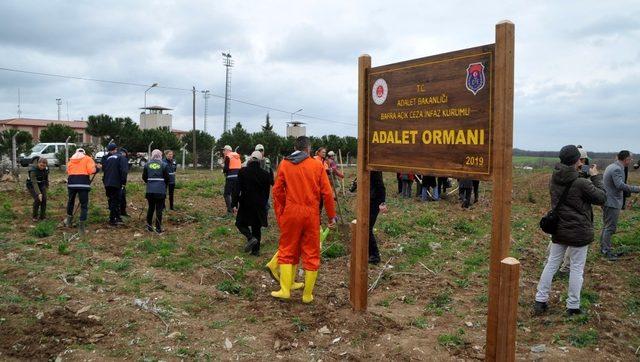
549, 222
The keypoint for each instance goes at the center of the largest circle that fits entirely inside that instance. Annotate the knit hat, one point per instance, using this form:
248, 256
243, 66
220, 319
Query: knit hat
569, 155
331, 154
111, 146
257, 155
227, 148
583, 152
259, 147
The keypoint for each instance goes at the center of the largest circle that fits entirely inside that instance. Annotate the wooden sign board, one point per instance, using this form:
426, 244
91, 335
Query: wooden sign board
446, 115
433, 115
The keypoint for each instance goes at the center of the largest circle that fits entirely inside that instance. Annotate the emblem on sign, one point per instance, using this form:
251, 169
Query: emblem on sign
379, 91
475, 77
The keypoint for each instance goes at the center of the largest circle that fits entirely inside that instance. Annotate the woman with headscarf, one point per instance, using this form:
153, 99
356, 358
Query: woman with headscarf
156, 176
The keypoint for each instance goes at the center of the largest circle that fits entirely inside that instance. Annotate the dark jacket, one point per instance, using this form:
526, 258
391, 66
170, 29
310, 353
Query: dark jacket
172, 166
252, 195
37, 179
115, 169
156, 175
465, 183
377, 192
575, 226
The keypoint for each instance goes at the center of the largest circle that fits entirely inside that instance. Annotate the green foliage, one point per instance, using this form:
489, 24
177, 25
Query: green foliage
465, 226
24, 141
117, 266
583, 339
6, 212
55, 132
334, 250
220, 231
420, 322
300, 326
268, 127
393, 228
427, 219
204, 144
229, 286
454, 340
43, 229
63, 248
237, 137
219, 324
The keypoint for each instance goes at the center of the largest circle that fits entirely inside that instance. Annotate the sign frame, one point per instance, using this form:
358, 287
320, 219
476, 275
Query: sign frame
487, 50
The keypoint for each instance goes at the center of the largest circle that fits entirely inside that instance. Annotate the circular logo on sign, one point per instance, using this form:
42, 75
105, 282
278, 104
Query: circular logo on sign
379, 91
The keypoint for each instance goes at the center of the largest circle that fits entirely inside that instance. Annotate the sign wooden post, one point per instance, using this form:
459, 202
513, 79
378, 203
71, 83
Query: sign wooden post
502, 182
444, 115
360, 244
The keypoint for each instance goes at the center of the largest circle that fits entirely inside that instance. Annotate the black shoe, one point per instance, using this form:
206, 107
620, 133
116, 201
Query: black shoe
250, 245
540, 308
159, 230
119, 221
576, 311
124, 214
149, 228
255, 251
374, 259
113, 223
610, 256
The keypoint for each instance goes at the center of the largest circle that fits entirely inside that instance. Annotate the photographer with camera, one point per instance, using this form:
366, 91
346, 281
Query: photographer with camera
571, 198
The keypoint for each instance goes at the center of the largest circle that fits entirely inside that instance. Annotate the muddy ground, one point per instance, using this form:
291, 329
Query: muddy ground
191, 293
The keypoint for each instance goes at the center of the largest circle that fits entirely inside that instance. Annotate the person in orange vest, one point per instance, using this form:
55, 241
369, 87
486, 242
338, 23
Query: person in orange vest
300, 184
79, 168
232, 165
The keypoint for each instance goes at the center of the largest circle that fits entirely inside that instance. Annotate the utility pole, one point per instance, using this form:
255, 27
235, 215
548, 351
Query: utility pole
19, 104
59, 103
68, 111
228, 63
206, 94
195, 150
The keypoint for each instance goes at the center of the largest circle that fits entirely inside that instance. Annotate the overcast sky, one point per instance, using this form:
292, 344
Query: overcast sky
577, 62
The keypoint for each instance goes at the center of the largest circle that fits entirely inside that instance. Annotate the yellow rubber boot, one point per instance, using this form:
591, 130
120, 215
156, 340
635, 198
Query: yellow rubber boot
309, 282
286, 272
272, 265
294, 285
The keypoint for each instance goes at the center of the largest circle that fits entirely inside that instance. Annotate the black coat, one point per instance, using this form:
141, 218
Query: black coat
575, 227
252, 196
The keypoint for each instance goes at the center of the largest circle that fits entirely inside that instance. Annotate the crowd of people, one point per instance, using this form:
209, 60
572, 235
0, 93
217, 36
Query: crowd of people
434, 188
305, 184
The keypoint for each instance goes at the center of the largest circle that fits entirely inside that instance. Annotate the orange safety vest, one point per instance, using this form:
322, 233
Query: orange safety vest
234, 161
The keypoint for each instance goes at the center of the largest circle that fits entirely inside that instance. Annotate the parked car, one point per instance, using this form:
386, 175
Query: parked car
46, 150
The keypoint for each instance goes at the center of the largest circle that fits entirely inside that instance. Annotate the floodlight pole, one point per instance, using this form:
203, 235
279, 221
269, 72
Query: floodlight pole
228, 63
145, 94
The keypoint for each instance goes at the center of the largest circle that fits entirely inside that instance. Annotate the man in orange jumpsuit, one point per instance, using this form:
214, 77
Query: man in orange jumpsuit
300, 184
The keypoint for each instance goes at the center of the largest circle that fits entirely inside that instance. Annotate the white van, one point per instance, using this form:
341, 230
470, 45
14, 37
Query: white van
46, 150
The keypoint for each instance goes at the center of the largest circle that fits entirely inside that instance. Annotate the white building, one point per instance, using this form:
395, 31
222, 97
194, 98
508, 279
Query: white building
154, 118
295, 129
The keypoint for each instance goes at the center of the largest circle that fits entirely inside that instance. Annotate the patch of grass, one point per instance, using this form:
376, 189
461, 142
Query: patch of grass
63, 248
6, 212
393, 228
420, 322
219, 324
96, 214
465, 226
453, 340
30, 241
419, 250
473, 262
334, 250
588, 298
462, 283
43, 229
117, 266
229, 286
427, 219
633, 305
386, 302
583, 339
300, 326
220, 231
440, 303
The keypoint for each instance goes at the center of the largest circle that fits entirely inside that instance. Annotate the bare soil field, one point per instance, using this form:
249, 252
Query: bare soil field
193, 294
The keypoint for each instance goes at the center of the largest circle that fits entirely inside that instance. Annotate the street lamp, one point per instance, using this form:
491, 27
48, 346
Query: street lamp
145, 94
299, 110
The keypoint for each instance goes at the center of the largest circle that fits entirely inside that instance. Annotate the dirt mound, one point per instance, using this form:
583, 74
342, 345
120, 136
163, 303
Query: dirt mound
50, 335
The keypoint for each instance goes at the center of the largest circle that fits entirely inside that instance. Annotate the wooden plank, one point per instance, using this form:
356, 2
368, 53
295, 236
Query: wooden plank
360, 244
433, 115
508, 309
502, 167
352, 270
